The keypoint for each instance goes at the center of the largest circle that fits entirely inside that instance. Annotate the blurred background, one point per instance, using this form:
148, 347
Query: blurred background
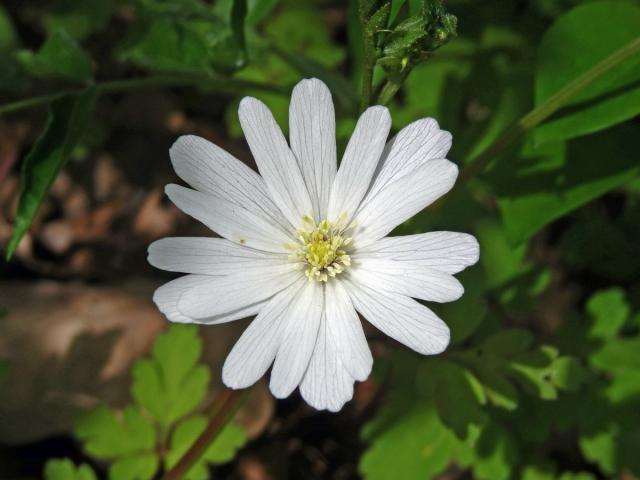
542, 380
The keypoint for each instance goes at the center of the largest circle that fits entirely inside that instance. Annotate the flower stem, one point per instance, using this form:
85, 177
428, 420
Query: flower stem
369, 60
115, 86
551, 105
223, 410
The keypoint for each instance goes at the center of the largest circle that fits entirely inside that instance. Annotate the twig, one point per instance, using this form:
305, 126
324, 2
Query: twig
539, 114
223, 410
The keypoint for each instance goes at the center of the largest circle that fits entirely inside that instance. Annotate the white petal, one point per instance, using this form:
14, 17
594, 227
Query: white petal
414, 145
410, 280
208, 256
276, 162
327, 385
256, 349
401, 198
220, 295
449, 252
299, 334
312, 132
359, 162
346, 331
166, 298
231, 221
341, 354
208, 168
402, 318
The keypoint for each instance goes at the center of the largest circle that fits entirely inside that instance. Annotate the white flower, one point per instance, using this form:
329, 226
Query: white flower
304, 245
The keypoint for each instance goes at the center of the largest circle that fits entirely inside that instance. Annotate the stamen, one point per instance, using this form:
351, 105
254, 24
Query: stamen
321, 248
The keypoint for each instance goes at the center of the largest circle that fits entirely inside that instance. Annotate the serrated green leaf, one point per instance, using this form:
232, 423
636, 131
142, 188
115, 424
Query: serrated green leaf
68, 118
456, 402
65, 469
498, 388
60, 57
171, 384
496, 453
109, 436
533, 371
141, 466
413, 447
609, 311
222, 450
618, 355
596, 31
568, 373
601, 448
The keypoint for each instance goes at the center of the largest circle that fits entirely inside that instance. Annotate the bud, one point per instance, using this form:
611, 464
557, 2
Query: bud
415, 39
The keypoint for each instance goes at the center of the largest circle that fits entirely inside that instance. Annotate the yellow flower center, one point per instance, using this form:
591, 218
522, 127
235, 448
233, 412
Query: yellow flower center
319, 248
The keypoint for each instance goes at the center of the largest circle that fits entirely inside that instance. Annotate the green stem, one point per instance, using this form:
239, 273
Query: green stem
369, 60
391, 87
115, 86
223, 410
551, 105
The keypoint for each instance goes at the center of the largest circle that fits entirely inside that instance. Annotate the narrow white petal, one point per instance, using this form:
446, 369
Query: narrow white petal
417, 143
449, 252
208, 256
276, 162
410, 280
256, 349
299, 334
312, 132
402, 318
208, 168
401, 198
327, 385
166, 298
346, 331
341, 354
229, 220
220, 295
359, 162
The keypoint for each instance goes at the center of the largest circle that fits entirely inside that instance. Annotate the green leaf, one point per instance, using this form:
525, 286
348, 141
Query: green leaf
171, 384
551, 181
498, 389
465, 315
414, 446
533, 371
618, 355
496, 453
609, 312
64, 469
601, 448
595, 30
568, 373
166, 47
68, 118
457, 403
141, 466
223, 448
78, 17
109, 436
60, 57
508, 342
8, 35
